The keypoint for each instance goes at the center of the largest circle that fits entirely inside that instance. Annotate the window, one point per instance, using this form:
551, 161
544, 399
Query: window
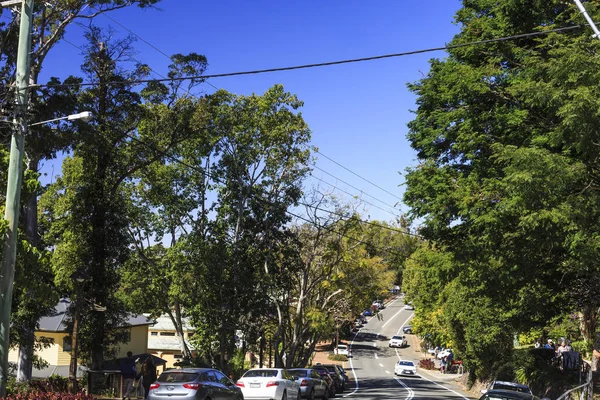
67, 344
153, 333
177, 377
222, 378
167, 334
178, 356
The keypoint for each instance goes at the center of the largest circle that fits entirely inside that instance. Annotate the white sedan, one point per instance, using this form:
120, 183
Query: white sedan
269, 383
444, 353
341, 349
405, 367
409, 307
398, 341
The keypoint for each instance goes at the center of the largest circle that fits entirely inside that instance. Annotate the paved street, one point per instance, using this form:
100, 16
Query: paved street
373, 362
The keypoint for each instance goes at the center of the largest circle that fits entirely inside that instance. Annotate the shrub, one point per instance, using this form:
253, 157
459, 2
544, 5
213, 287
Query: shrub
427, 364
337, 357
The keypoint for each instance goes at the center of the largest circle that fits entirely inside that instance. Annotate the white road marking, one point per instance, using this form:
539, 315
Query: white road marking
399, 329
351, 364
381, 365
375, 345
387, 372
444, 387
376, 356
411, 394
390, 320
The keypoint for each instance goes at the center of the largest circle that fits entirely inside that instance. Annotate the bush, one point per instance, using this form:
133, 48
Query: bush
427, 364
582, 347
337, 357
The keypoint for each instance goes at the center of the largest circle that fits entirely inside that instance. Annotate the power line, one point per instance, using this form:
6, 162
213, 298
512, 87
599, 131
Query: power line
354, 173
144, 40
354, 195
330, 63
355, 188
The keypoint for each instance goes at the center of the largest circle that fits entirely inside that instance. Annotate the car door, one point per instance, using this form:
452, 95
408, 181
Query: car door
216, 390
293, 387
319, 384
226, 386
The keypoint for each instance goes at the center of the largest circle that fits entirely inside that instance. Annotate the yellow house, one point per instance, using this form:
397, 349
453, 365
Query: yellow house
58, 355
165, 343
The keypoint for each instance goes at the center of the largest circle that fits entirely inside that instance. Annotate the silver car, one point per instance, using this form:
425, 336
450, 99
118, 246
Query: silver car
194, 383
269, 384
311, 384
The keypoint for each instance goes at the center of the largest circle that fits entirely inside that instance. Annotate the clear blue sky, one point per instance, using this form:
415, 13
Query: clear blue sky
357, 112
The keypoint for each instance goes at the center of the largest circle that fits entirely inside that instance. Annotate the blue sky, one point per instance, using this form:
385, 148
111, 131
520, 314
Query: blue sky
357, 112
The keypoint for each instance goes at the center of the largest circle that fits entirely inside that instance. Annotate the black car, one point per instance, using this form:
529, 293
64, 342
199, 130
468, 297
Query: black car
325, 375
507, 395
407, 329
338, 377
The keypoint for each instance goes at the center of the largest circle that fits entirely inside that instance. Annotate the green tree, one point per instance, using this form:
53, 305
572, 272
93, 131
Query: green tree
507, 176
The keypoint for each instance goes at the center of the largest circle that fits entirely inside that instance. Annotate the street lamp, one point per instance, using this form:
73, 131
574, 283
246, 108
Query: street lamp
86, 116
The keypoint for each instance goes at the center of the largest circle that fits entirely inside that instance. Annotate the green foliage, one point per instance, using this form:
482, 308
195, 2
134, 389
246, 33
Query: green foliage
337, 357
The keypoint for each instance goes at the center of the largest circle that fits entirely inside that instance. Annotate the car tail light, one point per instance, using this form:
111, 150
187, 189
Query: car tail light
193, 386
304, 382
272, 383
240, 384
154, 386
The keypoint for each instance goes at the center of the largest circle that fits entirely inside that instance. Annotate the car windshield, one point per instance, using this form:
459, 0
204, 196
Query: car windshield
342, 346
406, 363
177, 377
261, 373
300, 373
514, 388
397, 337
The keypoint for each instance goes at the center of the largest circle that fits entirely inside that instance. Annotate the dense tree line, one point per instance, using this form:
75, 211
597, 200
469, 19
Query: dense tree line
169, 203
507, 182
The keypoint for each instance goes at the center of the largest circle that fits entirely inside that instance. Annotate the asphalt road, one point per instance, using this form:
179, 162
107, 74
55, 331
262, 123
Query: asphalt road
372, 362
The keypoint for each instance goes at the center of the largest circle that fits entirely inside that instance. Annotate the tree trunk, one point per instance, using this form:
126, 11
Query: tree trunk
74, 352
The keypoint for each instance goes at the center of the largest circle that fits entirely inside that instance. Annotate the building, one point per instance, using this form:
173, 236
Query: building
164, 342
58, 355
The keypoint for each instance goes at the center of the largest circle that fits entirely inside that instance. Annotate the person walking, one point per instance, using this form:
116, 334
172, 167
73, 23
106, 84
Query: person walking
128, 373
147, 374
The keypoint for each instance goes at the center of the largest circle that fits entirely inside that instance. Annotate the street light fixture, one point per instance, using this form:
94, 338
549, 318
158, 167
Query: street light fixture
86, 116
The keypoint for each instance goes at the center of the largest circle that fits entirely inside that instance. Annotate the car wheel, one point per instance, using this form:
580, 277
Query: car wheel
325, 394
299, 396
284, 395
311, 395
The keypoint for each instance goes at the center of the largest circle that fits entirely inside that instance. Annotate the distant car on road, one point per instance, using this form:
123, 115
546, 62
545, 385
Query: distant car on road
398, 341
409, 307
407, 329
341, 349
379, 304
504, 385
405, 367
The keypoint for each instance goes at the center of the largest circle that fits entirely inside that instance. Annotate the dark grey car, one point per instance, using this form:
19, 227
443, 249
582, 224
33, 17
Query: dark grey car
194, 383
311, 384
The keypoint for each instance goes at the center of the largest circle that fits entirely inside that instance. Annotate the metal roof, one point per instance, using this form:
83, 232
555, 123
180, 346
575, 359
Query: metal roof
55, 322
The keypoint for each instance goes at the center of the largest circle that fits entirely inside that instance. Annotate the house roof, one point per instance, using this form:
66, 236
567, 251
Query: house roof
56, 322
164, 323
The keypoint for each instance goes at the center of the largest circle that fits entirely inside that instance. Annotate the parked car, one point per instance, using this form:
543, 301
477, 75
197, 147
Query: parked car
407, 329
444, 353
341, 349
337, 377
398, 341
269, 383
409, 307
312, 385
504, 385
507, 395
342, 372
327, 378
194, 383
379, 304
405, 367
367, 313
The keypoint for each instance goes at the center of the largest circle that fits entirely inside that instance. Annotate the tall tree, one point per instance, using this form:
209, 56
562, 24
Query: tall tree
507, 179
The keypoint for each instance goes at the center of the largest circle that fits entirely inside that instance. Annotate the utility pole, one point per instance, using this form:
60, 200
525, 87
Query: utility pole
589, 20
13, 187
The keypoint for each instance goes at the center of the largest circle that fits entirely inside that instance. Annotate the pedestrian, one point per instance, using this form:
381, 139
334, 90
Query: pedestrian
550, 345
443, 365
538, 343
147, 374
128, 373
563, 347
437, 351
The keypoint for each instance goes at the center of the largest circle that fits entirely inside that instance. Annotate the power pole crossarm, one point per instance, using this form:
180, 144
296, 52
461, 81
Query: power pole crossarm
9, 3
13, 188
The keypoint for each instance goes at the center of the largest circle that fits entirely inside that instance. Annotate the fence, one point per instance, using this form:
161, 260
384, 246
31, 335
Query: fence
584, 391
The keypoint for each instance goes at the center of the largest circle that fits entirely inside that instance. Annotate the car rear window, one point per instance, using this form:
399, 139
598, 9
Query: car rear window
298, 372
261, 373
177, 377
500, 386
